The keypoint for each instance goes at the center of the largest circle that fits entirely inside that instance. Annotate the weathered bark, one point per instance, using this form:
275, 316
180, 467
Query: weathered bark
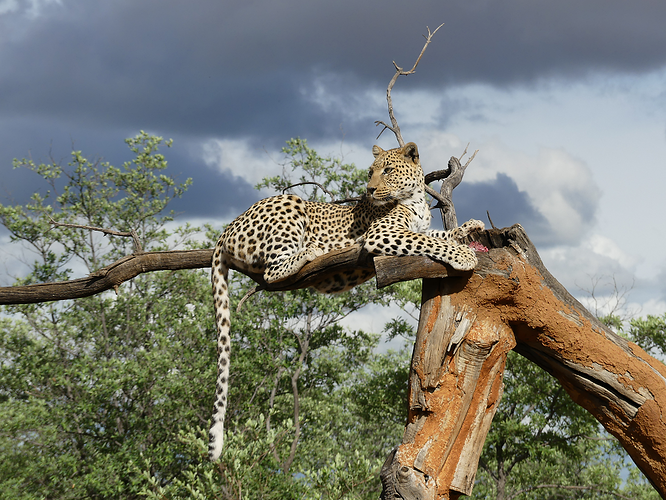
454, 388
468, 325
129, 267
106, 278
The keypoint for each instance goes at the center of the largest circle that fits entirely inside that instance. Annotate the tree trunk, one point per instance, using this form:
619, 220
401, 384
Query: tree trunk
467, 326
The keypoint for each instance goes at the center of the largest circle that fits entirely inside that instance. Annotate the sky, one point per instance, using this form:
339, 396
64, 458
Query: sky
565, 101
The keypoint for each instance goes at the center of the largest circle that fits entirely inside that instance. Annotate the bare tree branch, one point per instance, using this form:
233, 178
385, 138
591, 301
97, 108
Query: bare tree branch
249, 294
348, 200
451, 177
126, 234
312, 183
394, 127
447, 210
108, 277
492, 224
337, 202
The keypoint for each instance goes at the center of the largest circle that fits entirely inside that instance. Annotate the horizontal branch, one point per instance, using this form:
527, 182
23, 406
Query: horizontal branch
392, 270
106, 278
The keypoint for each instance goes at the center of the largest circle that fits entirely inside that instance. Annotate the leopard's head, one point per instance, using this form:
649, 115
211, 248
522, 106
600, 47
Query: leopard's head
395, 174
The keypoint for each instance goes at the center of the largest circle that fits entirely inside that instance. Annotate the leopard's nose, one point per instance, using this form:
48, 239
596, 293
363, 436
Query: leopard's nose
371, 190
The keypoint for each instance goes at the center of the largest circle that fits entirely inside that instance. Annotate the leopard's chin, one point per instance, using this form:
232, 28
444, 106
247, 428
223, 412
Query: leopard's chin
381, 201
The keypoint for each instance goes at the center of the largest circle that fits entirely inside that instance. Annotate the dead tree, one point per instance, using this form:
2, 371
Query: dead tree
468, 324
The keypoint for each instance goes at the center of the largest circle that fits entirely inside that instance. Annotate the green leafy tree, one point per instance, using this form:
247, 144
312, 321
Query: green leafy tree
649, 333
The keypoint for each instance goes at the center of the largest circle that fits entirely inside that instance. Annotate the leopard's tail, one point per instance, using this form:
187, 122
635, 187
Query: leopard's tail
219, 273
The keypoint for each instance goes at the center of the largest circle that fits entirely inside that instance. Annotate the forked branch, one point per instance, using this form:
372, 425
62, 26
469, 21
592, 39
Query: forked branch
451, 177
394, 127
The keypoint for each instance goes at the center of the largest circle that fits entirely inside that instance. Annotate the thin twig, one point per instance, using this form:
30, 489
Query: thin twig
394, 127
249, 294
470, 158
310, 182
441, 201
348, 200
490, 220
125, 234
337, 202
456, 172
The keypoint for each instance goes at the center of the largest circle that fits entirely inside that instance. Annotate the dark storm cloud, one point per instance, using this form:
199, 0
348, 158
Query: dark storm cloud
506, 204
235, 67
213, 193
96, 72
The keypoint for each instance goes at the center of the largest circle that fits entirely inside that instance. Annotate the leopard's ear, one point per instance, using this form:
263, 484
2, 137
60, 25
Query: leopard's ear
376, 151
411, 152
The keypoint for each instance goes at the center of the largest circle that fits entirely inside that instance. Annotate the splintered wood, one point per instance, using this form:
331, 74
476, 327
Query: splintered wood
455, 386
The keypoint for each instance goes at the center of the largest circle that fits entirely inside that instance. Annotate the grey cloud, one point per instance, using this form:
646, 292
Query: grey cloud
506, 204
212, 194
96, 72
234, 67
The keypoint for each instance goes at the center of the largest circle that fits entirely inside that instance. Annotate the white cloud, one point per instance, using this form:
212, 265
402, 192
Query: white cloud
605, 247
652, 307
558, 185
241, 159
33, 8
576, 267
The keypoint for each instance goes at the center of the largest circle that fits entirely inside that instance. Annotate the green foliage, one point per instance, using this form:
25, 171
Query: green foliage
650, 333
314, 172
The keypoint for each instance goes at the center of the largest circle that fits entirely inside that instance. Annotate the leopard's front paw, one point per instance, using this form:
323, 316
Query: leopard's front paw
471, 226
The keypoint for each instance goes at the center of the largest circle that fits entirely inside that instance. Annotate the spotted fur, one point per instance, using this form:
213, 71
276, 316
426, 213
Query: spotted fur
279, 235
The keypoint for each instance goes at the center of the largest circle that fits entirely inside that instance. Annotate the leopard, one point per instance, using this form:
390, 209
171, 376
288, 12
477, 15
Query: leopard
279, 235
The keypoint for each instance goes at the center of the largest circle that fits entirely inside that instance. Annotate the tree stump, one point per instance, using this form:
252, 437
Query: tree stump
455, 386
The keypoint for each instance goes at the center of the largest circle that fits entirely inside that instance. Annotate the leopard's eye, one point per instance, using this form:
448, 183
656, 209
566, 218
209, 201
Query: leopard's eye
387, 170
370, 174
